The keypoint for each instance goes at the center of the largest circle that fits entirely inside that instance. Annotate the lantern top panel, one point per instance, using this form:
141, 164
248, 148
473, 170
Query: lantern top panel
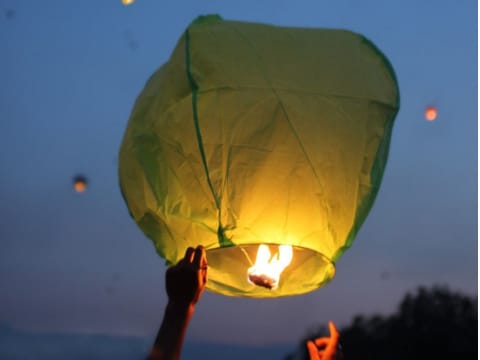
232, 54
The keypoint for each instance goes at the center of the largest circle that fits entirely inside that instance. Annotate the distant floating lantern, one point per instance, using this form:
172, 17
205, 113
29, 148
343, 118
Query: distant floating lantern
266, 145
127, 2
431, 113
79, 184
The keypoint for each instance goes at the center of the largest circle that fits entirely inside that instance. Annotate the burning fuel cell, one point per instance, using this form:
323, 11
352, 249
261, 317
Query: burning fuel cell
267, 268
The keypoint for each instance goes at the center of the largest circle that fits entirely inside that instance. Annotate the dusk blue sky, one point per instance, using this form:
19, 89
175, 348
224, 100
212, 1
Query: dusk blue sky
70, 72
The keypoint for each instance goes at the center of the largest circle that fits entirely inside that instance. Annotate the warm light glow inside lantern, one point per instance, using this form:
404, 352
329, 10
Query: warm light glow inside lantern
127, 2
264, 144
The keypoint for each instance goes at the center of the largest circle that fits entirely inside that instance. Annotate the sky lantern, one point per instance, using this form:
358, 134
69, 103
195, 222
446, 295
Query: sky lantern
80, 183
266, 145
431, 113
127, 2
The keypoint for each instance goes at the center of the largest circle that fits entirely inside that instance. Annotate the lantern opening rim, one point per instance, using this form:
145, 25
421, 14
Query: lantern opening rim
227, 273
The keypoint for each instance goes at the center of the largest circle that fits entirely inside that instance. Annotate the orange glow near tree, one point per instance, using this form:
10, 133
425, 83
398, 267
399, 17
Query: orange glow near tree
431, 113
79, 184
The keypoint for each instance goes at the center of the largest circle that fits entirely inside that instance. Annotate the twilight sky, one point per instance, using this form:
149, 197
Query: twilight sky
70, 72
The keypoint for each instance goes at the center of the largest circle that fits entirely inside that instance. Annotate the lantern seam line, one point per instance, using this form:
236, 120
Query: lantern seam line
194, 88
222, 239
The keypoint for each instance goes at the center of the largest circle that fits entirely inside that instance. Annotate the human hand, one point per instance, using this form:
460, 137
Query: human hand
324, 348
186, 280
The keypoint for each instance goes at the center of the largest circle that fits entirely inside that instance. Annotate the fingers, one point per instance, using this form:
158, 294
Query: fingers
331, 348
312, 351
200, 264
333, 330
196, 257
199, 259
189, 254
324, 341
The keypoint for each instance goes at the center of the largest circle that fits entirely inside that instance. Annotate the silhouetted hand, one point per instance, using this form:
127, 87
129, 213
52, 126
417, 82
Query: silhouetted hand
186, 280
324, 348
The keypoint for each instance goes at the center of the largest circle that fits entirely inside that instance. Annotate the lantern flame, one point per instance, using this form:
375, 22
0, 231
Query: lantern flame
267, 268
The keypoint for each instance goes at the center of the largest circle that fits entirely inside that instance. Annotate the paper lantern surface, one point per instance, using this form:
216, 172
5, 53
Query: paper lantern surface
254, 134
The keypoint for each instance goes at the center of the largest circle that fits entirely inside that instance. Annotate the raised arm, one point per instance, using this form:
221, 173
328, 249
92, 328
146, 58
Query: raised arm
185, 283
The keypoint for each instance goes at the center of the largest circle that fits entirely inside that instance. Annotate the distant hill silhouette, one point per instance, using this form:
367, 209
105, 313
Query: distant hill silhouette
432, 323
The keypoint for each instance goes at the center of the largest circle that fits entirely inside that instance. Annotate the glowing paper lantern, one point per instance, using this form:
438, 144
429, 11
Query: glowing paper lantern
79, 183
259, 135
431, 113
127, 2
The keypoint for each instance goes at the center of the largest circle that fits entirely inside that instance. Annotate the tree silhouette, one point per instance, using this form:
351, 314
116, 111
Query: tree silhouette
433, 323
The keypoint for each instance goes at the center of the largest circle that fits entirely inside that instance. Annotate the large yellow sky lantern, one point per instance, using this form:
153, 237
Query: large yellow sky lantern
264, 144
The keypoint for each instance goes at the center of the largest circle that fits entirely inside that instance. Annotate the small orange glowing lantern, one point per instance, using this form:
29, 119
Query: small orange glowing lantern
79, 184
431, 113
128, 2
